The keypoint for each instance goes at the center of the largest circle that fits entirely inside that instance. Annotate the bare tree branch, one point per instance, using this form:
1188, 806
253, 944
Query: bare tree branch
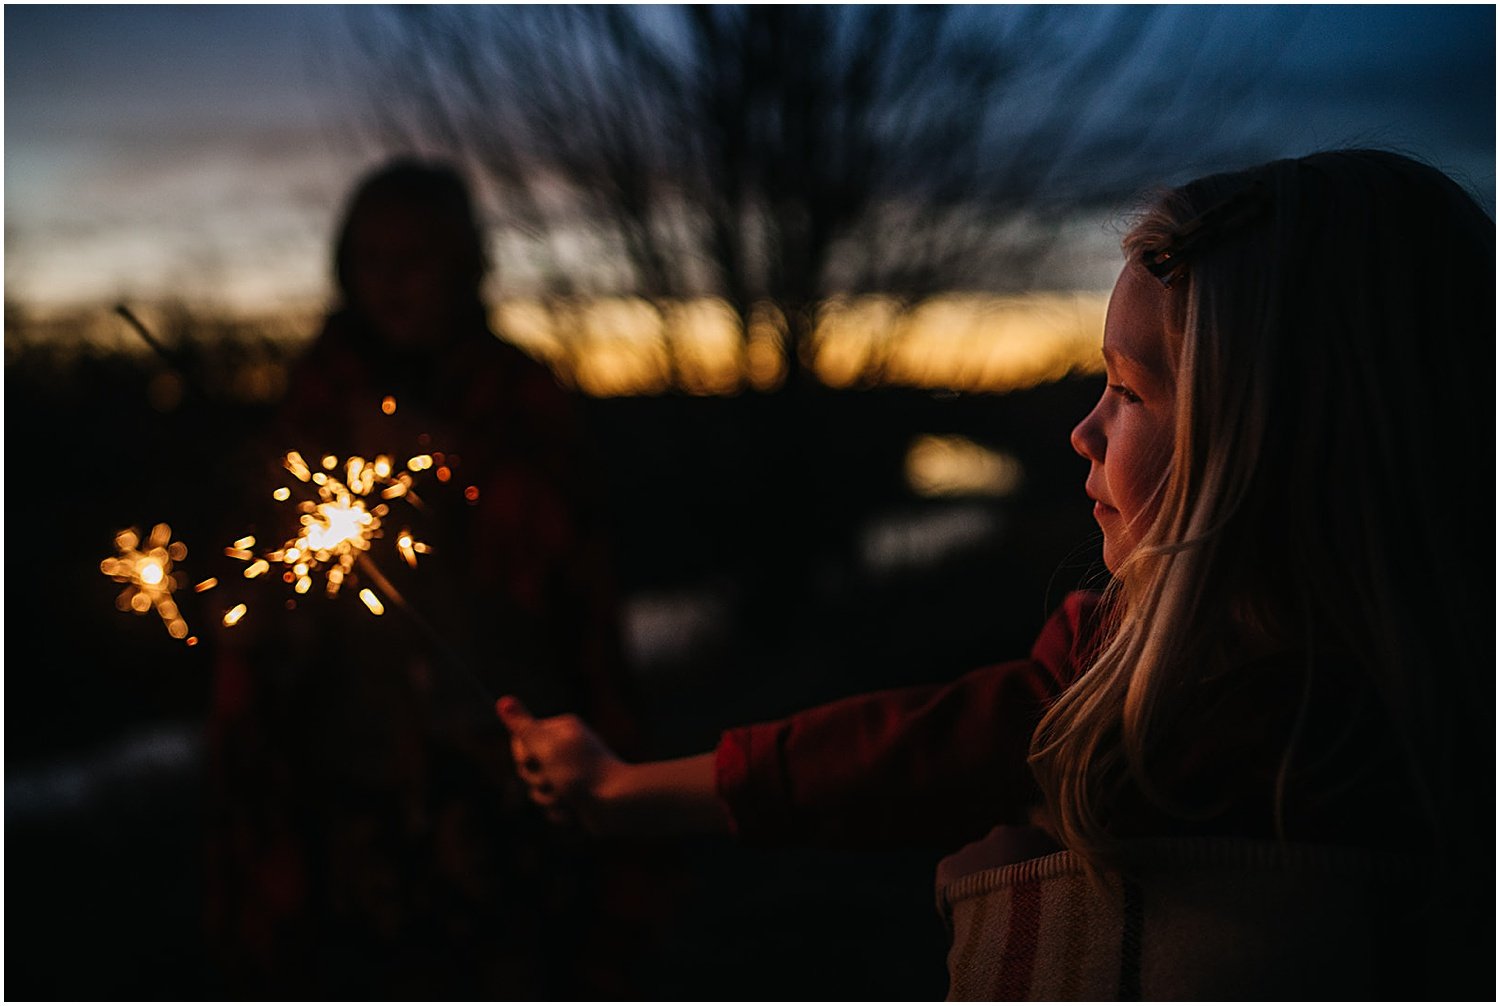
786, 153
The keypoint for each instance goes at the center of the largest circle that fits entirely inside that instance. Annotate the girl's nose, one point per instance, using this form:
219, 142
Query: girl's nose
1087, 438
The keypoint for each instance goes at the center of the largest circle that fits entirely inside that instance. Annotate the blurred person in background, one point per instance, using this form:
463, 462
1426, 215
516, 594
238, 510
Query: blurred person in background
357, 847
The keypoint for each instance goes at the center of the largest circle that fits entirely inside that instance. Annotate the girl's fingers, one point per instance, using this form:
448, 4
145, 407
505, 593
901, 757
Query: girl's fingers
535, 779
527, 764
516, 717
523, 727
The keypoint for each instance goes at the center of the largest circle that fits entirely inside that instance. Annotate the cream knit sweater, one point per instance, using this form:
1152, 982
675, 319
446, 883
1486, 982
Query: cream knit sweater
1185, 919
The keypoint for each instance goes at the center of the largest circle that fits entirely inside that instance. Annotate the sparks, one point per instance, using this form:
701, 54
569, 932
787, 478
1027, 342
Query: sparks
336, 526
147, 575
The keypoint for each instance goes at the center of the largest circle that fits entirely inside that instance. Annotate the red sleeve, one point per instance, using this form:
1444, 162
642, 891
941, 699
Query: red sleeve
930, 765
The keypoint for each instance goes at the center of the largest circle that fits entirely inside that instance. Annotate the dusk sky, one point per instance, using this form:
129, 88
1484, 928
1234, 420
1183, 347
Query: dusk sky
203, 152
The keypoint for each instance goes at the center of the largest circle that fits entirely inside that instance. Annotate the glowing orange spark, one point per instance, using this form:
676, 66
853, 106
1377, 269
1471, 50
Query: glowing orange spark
147, 575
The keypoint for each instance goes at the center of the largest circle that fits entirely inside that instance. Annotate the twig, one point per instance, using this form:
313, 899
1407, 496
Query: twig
151, 340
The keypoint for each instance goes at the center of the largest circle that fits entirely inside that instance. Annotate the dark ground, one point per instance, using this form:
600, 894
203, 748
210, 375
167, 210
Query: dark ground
713, 513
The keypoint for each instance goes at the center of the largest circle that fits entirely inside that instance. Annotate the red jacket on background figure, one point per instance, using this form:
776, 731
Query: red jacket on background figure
369, 836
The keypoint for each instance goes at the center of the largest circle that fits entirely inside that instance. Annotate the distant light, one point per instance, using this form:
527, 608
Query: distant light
164, 392
894, 542
940, 466
233, 615
388, 405
765, 354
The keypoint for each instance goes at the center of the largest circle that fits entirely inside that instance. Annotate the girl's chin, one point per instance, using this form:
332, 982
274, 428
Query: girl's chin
1114, 554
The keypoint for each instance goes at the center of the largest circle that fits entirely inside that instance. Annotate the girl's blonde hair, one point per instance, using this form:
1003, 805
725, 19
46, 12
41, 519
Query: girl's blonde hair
1329, 498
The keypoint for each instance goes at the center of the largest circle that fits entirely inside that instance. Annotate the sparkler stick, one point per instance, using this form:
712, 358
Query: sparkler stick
439, 643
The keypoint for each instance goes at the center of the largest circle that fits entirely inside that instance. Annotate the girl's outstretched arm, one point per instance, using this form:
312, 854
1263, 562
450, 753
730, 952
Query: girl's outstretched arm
573, 775
931, 765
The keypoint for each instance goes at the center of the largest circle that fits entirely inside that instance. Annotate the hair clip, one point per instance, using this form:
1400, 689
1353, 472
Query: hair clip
1167, 262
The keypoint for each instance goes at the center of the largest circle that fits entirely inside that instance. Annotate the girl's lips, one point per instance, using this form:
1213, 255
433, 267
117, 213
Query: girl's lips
1103, 509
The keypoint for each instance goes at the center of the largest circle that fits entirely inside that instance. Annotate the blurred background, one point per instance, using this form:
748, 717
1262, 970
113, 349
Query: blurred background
824, 284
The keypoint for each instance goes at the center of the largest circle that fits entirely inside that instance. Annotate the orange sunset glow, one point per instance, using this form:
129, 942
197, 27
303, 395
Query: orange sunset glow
978, 343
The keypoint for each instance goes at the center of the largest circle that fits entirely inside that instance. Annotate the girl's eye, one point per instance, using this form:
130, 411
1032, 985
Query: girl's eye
1125, 393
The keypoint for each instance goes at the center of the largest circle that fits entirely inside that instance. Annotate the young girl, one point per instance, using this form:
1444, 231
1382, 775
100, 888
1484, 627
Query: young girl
1261, 765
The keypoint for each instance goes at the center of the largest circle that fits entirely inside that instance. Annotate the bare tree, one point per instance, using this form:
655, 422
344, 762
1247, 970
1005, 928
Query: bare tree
775, 156
784, 153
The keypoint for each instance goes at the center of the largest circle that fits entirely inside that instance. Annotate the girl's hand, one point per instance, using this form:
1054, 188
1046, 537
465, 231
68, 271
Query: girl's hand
573, 775
562, 762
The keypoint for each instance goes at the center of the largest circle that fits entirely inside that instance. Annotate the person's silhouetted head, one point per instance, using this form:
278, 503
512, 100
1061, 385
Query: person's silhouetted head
409, 258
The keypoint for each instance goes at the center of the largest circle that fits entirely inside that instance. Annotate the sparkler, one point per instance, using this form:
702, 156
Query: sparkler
343, 512
148, 577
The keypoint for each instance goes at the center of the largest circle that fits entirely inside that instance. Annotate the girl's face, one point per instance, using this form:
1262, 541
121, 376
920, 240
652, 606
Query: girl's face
1127, 438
